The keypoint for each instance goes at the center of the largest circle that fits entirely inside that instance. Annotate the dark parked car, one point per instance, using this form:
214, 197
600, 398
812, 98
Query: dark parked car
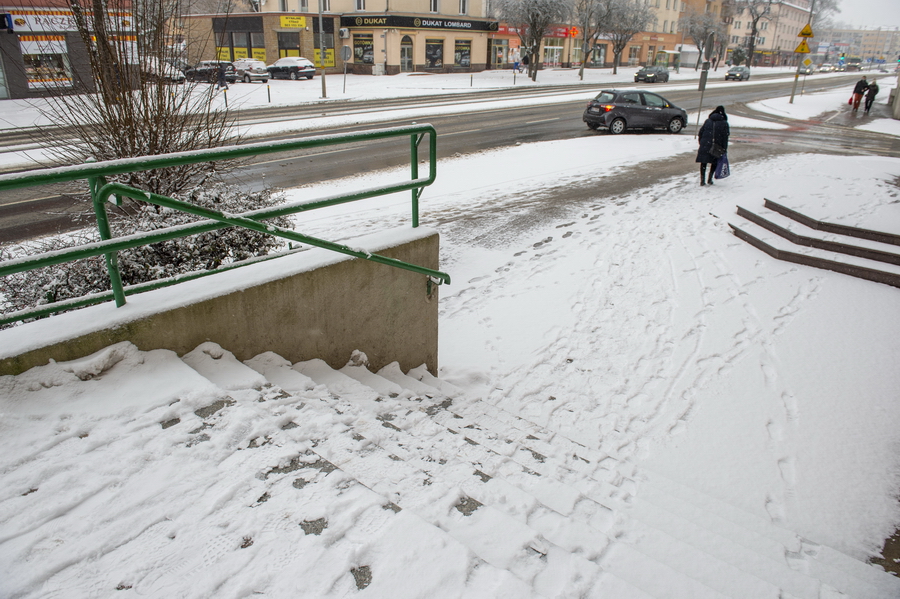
292, 67
738, 73
208, 70
618, 110
652, 75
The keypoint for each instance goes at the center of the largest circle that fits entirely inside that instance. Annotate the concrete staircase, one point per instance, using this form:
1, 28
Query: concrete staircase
788, 235
544, 515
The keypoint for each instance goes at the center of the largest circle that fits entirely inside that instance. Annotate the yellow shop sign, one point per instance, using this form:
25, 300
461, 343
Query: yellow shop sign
291, 22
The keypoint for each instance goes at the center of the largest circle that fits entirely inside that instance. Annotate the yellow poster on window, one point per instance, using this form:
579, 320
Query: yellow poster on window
223, 54
329, 57
292, 22
240, 53
259, 54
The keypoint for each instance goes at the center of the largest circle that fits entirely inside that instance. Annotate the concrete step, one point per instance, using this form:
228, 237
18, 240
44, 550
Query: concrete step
783, 249
478, 472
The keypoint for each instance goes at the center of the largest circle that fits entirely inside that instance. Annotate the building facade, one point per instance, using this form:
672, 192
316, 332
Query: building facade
41, 51
264, 36
872, 46
389, 37
777, 32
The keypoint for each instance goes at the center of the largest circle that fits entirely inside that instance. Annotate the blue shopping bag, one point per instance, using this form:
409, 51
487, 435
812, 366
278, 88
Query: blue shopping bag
722, 168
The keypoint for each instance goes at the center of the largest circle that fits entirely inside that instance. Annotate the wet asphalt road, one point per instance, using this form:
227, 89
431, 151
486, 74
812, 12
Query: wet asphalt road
29, 213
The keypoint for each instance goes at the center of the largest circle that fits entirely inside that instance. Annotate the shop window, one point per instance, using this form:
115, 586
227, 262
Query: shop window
462, 55
434, 53
327, 40
47, 70
434, 5
240, 44
363, 48
634, 55
46, 61
288, 43
553, 51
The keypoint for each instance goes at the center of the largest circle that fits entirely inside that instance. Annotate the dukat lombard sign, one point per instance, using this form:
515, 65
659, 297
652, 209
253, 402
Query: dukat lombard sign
418, 23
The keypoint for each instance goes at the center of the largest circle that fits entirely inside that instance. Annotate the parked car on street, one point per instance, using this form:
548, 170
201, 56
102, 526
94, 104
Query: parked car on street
250, 69
160, 71
739, 73
652, 75
805, 70
619, 110
208, 70
292, 67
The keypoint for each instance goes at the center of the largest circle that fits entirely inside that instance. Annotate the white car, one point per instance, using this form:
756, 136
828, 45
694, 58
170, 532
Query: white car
158, 70
250, 69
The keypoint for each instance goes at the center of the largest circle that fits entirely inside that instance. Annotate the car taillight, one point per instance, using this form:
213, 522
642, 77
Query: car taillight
607, 107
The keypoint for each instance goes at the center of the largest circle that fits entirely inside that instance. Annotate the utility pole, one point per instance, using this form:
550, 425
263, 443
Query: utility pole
803, 48
322, 48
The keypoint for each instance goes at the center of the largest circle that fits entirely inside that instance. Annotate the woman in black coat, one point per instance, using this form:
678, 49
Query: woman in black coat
715, 129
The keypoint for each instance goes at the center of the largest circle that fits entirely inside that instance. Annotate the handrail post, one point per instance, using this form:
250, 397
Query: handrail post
112, 262
414, 168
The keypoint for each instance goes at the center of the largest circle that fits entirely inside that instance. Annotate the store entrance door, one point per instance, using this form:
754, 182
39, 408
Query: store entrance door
406, 55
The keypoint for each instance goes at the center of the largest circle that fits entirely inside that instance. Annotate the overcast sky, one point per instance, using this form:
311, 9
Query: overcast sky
870, 13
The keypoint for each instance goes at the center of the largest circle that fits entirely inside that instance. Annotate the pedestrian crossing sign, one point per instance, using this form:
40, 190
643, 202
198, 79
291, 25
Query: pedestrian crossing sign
803, 48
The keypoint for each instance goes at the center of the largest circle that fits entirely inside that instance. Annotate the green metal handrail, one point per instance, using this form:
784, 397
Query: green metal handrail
102, 192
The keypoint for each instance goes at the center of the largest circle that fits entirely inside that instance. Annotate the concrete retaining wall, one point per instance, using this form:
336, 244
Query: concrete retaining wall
314, 304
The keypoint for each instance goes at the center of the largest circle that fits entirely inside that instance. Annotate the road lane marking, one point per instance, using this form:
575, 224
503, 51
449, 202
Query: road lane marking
56, 197
461, 132
542, 121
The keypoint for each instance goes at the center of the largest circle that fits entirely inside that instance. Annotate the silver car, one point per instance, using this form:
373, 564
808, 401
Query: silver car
250, 69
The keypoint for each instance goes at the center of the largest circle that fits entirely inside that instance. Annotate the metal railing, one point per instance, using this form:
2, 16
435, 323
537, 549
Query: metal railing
103, 192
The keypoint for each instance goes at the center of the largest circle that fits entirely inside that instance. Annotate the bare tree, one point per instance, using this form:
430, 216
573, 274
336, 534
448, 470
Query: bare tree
131, 110
533, 19
757, 11
591, 17
627, 18
218, 7
703, 28
136, 110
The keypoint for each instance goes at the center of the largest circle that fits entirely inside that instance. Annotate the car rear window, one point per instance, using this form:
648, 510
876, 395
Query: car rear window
605, 97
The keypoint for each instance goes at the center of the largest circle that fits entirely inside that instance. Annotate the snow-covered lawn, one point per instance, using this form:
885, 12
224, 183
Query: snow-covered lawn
638, 326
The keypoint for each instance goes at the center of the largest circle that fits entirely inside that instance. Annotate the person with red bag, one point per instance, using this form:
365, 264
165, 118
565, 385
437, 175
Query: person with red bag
858, 91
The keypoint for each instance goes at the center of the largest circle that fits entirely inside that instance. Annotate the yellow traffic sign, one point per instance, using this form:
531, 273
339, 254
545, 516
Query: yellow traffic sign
806, 62
806, 32
803, 48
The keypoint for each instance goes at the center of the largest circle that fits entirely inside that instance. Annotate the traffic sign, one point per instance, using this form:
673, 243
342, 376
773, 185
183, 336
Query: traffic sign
806, 32
807, 62
803, 48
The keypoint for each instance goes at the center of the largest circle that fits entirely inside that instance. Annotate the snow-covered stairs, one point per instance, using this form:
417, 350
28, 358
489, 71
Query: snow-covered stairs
186, 476
561, 519
789, 235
